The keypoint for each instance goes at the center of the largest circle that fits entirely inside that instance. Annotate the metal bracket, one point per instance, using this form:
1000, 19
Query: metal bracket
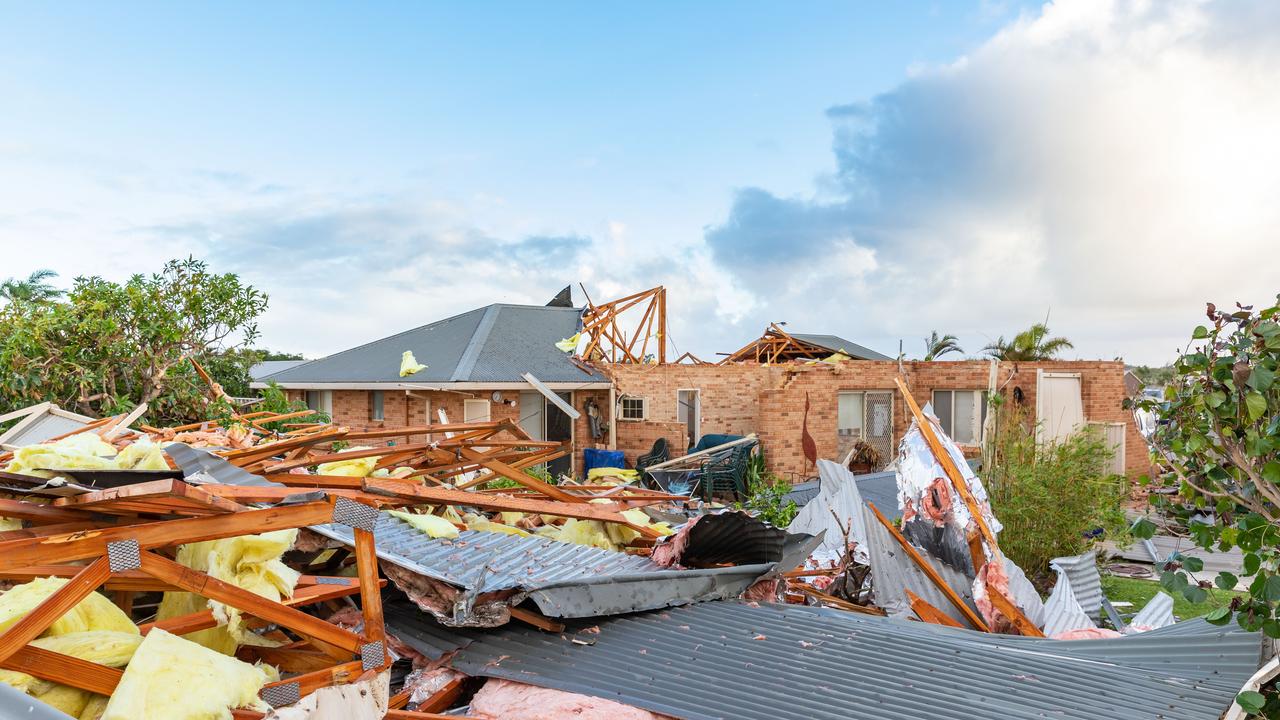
124, 555
372, 655
325, 580
354, 514
281, 695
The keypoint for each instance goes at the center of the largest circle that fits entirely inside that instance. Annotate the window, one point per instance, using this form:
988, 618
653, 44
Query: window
962, 413
475, 410
850, 414
320, 400
375, 405
633, 408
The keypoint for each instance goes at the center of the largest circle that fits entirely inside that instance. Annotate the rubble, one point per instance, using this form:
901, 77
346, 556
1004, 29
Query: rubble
243, 574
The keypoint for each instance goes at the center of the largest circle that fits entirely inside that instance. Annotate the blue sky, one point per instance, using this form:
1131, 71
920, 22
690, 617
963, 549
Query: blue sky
876, 170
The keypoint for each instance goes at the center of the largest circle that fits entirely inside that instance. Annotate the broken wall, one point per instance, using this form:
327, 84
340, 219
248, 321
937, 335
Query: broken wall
769, 400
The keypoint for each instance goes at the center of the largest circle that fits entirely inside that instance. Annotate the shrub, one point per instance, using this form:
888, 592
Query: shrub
1051, 499
766, 494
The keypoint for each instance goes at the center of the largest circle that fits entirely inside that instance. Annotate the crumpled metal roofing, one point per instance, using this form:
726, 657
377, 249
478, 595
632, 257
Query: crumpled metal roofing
1086, 582
765, 662
565, 580
837, 509
893, 572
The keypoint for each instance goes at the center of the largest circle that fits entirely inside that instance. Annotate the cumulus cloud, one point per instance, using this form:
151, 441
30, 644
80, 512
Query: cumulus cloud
1114, 163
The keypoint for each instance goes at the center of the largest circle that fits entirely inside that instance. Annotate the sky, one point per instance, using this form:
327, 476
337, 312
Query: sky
872, 170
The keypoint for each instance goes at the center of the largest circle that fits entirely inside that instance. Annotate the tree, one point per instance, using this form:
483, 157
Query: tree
1218, 443
1029, 345
935, 346
108, 346
33, 289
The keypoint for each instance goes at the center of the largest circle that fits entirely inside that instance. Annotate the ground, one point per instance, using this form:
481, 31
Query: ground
1139, 592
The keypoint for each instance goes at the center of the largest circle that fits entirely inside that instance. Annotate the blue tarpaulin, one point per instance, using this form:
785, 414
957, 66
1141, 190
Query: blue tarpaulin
593, 458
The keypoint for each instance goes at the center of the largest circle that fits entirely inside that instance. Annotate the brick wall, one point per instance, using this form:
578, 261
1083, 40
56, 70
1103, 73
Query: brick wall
770, 400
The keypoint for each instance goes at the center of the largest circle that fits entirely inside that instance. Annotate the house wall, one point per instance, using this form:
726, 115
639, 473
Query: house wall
770, 400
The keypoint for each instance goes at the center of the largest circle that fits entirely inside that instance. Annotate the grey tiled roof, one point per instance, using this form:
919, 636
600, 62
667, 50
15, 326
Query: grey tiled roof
835, 343
497, 343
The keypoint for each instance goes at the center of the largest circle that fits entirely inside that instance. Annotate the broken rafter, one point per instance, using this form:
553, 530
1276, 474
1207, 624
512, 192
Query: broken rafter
600, 326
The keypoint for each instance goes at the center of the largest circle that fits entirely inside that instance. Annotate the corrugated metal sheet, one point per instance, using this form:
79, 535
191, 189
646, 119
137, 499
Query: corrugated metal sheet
16, 704
202, 466
1062, 611
893, 573
732, 537
734, 660
1086, 582
496, 343
564, 579
837, 509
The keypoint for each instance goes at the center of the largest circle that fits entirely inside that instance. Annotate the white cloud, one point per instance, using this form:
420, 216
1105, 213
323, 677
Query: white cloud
1113, 161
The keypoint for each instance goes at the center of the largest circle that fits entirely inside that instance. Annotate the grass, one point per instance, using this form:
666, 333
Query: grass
1139, 592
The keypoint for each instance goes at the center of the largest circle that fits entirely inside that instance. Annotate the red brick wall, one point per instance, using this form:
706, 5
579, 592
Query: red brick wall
769, 400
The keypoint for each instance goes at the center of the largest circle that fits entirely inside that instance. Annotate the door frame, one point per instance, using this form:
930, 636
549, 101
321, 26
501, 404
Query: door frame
697, 408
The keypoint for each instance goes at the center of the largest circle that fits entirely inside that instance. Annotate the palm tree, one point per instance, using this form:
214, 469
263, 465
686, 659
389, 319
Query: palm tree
33, 289
935, 346
1029, 345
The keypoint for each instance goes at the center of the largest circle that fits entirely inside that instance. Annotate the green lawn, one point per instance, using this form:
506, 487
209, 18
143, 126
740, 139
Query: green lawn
1139, 592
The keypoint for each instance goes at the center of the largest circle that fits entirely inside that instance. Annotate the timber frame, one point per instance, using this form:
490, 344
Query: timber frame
776, 346
607, 342
129, 558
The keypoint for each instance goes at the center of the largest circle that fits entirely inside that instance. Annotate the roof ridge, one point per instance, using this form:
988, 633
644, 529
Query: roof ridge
471, 354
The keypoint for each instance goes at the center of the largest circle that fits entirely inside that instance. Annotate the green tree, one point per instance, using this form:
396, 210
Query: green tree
107, 346
936, 346
1218, 444
1029, 345
32, 289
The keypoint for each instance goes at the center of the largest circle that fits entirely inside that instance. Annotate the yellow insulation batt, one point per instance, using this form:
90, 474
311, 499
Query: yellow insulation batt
104, 647
251, 562
86, 451
359, 467
95, 612
409, 364
436, 527
172, 679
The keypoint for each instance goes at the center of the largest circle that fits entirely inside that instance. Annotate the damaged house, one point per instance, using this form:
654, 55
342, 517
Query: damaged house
502, 362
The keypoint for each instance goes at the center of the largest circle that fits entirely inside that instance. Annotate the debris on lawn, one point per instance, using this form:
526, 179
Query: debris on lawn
249, 567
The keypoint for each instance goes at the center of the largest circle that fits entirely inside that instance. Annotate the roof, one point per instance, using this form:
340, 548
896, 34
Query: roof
496, 343
261, 370
756, 662
835, 343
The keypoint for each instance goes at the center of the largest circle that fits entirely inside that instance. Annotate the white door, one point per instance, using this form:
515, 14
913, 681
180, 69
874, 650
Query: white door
689, 413
1059, 408
532, 413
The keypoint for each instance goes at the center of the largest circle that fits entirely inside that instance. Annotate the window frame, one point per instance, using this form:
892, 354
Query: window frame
488, 410
377, 406
949, 423
862, 424
622, 408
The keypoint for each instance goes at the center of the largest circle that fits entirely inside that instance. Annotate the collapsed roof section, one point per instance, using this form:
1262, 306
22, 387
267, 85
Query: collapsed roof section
757, 662
475, 578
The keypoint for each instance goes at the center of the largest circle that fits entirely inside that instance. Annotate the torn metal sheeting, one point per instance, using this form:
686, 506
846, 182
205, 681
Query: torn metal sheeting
836, 510
764, 662
564, 580
1086, 581
202, 466
731, 537
893, 572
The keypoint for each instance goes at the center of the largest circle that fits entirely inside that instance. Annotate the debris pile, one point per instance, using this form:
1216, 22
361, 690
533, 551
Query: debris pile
262, 567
